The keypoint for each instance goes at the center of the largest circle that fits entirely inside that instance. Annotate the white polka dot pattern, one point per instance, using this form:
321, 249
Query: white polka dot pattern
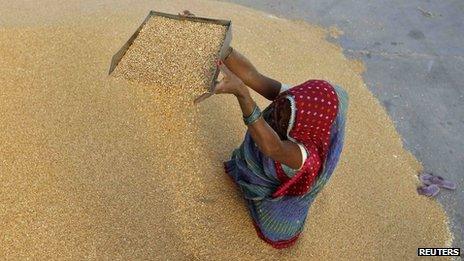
316, 107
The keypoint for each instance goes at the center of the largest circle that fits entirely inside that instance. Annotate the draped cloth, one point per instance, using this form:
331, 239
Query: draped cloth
279, 215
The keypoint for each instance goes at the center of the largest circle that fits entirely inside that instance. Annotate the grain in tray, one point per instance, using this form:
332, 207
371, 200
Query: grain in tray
170, 53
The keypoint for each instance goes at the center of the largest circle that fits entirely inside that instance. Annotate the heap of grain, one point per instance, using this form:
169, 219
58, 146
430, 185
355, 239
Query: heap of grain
170, 53
94, 167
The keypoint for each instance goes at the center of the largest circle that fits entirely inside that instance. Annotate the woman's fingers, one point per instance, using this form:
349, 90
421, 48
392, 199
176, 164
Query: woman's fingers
186, 13
230, 83
219, 87
223, 86
223, 68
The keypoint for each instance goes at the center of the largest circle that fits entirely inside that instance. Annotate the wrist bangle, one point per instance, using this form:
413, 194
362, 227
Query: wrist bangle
255, 120
255, 115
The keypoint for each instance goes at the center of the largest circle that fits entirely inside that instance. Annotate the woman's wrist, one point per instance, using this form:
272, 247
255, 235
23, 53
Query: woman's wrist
242, 92
253, 117
246, 102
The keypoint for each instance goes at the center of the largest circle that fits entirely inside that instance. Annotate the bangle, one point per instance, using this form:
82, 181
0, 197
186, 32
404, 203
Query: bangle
255, 115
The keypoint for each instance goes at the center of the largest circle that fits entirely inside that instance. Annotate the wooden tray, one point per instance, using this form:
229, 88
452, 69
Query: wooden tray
225, 46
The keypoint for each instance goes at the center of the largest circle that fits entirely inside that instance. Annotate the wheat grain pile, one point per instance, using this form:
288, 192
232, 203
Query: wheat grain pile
174, 54
95, 167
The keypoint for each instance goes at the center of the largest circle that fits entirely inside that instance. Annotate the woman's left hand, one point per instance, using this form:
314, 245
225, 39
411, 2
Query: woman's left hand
186, 13
230, 83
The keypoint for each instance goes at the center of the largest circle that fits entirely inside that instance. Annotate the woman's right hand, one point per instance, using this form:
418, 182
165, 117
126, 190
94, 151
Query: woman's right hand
231, 83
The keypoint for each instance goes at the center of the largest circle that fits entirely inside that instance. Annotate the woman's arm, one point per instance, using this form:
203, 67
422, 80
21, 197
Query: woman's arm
285, 152
244, 69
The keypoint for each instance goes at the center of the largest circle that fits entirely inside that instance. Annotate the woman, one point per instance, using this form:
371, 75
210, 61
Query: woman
290, 149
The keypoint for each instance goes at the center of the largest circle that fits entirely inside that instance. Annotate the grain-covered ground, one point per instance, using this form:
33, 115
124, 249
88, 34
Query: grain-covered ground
99, 168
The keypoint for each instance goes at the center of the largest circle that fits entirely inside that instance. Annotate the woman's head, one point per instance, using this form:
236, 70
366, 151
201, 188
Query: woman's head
280, 117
